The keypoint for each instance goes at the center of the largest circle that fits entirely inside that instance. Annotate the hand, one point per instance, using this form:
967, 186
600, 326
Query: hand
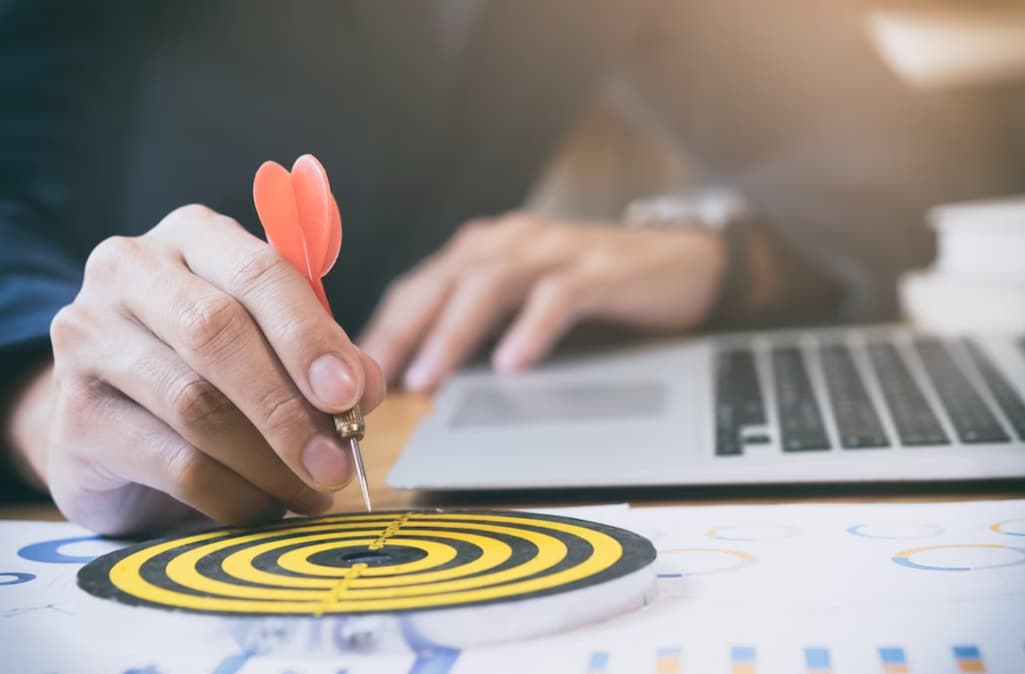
195, 371
551, 275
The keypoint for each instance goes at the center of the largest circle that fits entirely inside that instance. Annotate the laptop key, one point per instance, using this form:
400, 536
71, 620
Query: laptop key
916, 423
738, 399
972, 419
800, 420
1007, 397
856, 418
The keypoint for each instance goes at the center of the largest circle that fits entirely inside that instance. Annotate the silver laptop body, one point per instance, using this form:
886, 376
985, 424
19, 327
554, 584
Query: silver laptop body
870, 404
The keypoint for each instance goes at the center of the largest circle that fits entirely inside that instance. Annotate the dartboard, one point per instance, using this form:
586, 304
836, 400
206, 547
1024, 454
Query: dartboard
368, 563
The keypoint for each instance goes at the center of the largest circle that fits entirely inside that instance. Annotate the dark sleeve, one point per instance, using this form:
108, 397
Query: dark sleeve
40, 62
40, 58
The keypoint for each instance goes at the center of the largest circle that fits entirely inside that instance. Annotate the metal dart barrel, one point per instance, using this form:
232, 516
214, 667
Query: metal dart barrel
351, 427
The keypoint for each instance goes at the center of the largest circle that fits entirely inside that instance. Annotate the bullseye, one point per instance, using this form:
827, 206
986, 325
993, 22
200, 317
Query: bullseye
368, 563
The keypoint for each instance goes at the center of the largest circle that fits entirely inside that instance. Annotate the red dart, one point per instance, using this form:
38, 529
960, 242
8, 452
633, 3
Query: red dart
301, 219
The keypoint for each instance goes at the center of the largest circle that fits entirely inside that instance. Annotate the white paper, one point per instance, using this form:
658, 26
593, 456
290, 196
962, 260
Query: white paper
784, 588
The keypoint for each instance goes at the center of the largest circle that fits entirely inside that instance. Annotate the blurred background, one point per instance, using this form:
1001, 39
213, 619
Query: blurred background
840, 124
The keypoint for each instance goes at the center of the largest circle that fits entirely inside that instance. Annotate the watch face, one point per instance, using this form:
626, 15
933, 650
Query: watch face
710, 210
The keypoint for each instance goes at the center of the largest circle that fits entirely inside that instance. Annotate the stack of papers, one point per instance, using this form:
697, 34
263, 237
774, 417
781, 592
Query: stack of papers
977, 283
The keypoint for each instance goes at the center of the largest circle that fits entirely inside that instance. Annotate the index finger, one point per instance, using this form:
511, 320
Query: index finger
315, 351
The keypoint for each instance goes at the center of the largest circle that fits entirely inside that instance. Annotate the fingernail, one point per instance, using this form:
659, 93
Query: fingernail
333, 381
327, 463
312, 502
419, 375
508, 358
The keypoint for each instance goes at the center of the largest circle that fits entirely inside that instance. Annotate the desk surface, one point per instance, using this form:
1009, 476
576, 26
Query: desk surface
390, 426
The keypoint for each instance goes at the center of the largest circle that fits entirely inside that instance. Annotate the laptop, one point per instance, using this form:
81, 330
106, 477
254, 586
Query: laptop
868, 404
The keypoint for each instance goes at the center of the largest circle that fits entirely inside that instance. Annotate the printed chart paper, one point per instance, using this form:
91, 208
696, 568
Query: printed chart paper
806, 589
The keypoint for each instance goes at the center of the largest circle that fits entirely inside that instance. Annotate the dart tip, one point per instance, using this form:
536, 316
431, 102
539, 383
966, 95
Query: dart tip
361, 473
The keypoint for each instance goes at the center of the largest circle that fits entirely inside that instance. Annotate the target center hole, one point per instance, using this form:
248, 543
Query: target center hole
372, 557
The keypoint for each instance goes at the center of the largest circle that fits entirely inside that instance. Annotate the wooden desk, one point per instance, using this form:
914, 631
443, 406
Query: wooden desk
390, 426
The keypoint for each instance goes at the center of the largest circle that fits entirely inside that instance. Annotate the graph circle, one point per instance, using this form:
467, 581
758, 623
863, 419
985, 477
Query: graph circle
49, 552
895, 530
983, 550
753, 532
1013, 527
727, 560
368, 563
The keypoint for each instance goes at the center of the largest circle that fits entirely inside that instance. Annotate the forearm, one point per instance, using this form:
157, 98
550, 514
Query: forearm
25, 411
773, 286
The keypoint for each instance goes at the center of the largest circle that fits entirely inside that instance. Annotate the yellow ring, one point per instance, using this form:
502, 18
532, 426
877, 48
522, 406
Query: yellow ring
241, 567
298, 560
380, 593
182, 570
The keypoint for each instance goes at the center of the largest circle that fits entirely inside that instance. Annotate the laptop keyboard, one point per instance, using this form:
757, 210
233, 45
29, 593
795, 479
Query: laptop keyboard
738, 399
800, 420
972, 420
915, 421
855, 410
856, 418
1006, 397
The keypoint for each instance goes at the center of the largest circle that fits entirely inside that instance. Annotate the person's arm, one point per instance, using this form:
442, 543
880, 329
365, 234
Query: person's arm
838, 160
40, 57
27, 420
532, 278
781, 287
193, 369
764, 283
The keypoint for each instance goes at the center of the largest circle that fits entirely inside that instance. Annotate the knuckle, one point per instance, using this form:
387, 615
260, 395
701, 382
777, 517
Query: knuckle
210, 325
563, 239
489, 279
282, 412
188, 212
403, 286
191, 214
187, 470
471, 234
108, 255
396, 287
556, 290
520, 221
79, 403
66, 328
198, 403
599, 260
258, 268
193, 211
303, 332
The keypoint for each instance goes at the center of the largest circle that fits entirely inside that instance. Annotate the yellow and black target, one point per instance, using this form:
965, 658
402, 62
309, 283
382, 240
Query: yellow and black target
368, 563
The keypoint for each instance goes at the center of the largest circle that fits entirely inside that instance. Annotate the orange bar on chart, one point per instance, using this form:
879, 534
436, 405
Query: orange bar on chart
668, 661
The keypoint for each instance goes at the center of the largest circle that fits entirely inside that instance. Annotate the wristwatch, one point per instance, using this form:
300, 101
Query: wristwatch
717, 211
713, 210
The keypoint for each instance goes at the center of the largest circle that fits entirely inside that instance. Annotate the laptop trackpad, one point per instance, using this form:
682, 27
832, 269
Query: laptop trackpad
507, 405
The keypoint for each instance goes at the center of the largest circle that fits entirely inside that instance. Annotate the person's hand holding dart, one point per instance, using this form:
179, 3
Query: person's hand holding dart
196, 371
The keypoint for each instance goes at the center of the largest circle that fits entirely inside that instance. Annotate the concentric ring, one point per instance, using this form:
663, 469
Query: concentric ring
368, 563
906, 557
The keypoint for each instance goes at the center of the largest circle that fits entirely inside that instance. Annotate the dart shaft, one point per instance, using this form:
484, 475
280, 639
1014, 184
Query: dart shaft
361, 473
351, 427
